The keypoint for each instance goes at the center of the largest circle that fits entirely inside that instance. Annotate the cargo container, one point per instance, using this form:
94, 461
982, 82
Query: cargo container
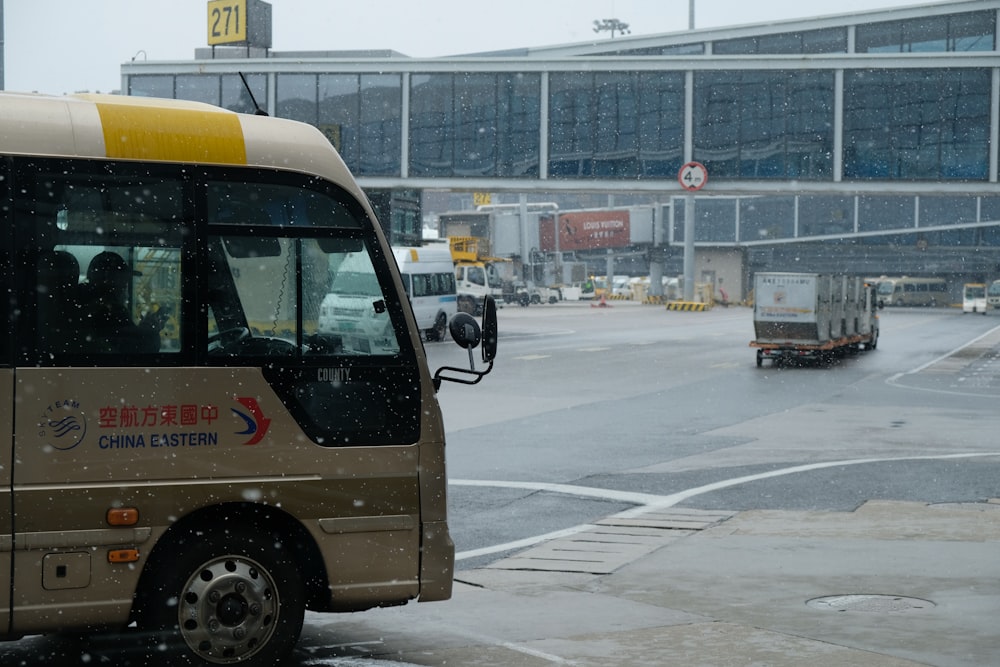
811, 315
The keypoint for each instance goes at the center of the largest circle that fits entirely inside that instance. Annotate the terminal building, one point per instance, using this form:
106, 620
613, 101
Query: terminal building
865, 143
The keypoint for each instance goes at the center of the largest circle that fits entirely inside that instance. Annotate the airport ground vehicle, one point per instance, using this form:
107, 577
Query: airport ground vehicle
974, 298
429, 279
808, 315
253, 466
993, 295
477, 274
912, 291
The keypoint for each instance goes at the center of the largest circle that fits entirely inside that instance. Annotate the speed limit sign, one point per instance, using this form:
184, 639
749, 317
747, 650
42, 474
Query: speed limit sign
693, 176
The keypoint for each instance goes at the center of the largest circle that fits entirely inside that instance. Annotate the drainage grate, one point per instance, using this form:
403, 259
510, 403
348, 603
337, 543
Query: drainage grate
883, 604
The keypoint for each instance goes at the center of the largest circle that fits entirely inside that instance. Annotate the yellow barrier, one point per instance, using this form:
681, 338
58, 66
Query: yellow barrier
686, 305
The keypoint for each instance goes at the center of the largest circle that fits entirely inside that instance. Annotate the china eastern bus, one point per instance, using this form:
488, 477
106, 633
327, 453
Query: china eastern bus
181, 446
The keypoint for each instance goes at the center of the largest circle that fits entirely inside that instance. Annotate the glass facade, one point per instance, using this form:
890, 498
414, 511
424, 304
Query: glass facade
241, 98
352, 111
474, 124
898, 123
916, 124
764, 125
881, 219
297, 97
616, 125
151, 85
830, 40
826, 215
972, 31
674, 50
226, 90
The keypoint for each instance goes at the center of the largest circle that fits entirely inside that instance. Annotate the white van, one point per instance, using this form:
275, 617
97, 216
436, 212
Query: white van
354, 308
428, 274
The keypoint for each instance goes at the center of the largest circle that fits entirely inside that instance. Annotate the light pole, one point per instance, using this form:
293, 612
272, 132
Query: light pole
613, 25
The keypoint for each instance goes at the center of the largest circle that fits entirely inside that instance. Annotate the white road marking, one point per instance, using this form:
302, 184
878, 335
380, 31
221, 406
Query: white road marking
649, 502
894, 379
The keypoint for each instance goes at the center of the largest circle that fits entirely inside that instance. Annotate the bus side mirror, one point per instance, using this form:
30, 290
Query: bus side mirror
467, 333
465, 330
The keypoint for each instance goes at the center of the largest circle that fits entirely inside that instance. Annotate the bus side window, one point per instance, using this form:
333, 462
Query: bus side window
107, 307
58, 301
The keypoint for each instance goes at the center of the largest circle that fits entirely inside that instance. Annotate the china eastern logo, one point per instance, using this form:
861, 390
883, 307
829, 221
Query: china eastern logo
256, 422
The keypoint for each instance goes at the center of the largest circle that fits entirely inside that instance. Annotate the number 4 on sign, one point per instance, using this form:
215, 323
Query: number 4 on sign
692, 176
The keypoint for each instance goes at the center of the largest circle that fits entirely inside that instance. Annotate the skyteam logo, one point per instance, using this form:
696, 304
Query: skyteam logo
63, 425
256, 422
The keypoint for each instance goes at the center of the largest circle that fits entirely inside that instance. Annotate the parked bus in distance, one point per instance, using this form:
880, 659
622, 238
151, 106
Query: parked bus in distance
974, 298
185, 448
912, 291
993, 295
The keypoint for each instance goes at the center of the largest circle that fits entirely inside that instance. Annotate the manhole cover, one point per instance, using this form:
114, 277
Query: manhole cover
885, 604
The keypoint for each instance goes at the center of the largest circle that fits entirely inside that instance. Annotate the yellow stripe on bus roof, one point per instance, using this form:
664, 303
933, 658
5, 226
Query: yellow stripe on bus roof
141, 130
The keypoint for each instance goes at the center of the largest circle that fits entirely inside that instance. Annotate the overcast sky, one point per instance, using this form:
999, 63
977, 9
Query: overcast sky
64, 46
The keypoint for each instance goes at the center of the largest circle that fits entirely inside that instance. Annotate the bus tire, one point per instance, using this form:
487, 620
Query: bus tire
227, 596
466, 304
440, 326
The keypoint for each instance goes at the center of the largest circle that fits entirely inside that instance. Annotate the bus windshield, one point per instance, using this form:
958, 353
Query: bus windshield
975, 291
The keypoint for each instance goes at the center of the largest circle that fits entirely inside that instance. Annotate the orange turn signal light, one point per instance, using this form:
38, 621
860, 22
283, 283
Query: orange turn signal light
123, 555
123, 516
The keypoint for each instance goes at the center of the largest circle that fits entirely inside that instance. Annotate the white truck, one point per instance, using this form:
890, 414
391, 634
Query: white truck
811, 315
477, 275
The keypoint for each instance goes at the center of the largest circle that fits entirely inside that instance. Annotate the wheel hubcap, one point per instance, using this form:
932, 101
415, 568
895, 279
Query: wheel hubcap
228, 609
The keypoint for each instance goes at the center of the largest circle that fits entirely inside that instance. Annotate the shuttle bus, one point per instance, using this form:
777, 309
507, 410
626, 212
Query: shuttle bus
913, 291
182, 446
974, 298
993, 295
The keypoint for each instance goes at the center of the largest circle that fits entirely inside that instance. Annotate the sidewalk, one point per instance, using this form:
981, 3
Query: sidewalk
890, 584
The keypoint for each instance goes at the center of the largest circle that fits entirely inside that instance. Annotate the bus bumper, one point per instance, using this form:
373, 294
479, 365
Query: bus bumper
437, 562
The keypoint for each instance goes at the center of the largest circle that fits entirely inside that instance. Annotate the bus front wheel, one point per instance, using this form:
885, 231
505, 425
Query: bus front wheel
231, 596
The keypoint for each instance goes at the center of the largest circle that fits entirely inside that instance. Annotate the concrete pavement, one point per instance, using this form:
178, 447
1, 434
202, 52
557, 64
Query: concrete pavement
890, 584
